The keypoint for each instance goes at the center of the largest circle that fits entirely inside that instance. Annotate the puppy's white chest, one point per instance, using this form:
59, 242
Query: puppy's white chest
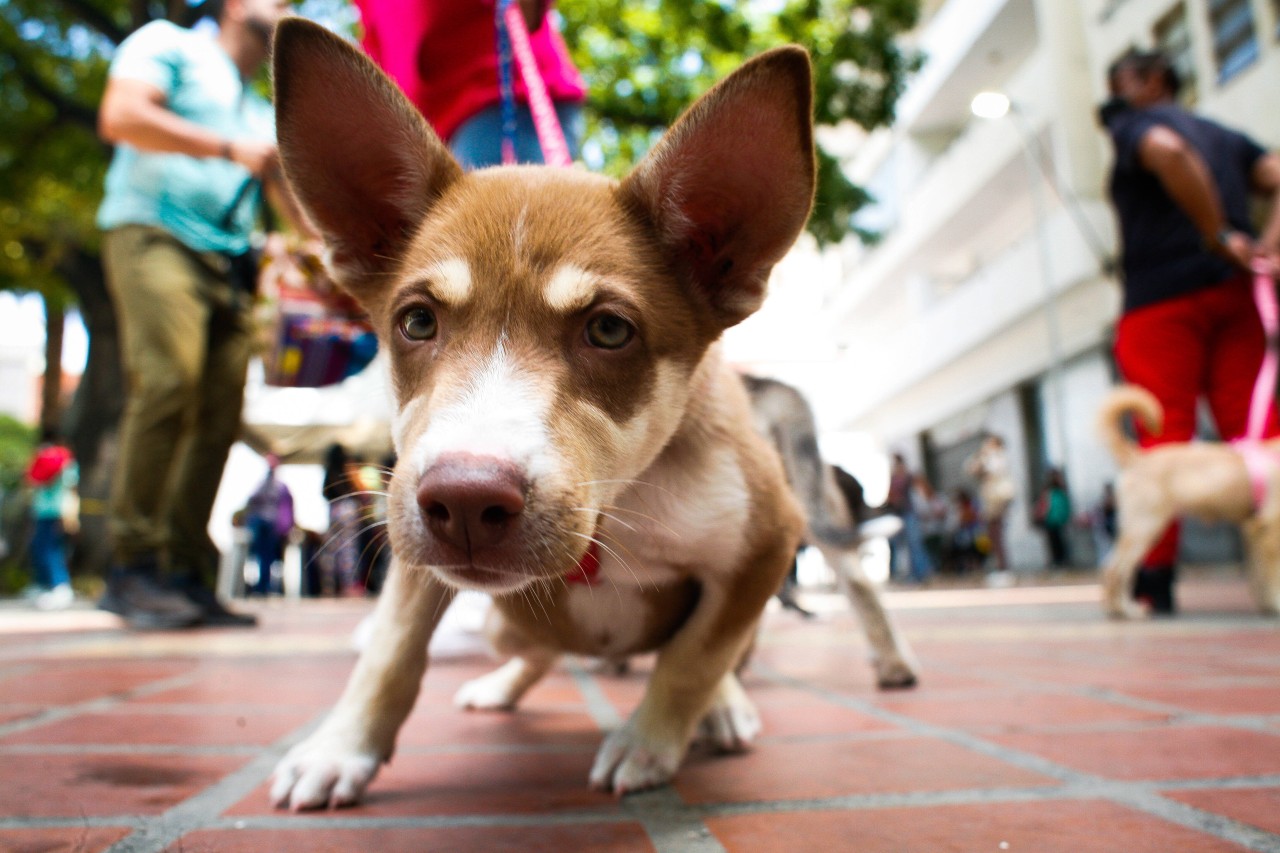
677, 521
610, 618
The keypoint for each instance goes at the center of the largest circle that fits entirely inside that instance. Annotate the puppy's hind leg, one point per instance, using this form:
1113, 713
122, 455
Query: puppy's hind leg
502, 689
732, 722
1262, 564
894, 663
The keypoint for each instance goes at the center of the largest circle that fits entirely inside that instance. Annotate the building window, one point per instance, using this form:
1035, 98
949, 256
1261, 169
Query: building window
1172, 36
1235, 43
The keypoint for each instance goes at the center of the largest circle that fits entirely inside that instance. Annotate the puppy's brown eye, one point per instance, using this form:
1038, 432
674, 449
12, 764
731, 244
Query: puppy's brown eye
418, 324
609, 331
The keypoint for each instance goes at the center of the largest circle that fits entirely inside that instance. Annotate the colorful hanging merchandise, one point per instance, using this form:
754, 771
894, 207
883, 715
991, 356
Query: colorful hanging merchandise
316, 334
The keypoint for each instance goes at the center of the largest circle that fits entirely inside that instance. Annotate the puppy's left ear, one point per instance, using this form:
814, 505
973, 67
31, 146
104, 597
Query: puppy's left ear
730, 185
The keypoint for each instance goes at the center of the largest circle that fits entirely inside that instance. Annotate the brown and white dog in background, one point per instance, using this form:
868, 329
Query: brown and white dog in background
561, 407
1209, 481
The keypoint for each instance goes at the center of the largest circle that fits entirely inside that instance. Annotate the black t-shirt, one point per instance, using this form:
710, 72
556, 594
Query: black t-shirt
1163, 253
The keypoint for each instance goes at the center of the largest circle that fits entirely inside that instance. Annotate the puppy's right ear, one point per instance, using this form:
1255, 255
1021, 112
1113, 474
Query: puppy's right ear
361, 160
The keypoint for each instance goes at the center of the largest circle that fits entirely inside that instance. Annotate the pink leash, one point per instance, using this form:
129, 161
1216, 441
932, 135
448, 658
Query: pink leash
1258, 461
555, 151
1264, 390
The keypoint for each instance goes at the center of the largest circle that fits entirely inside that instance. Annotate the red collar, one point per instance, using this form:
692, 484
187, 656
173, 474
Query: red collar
587, 571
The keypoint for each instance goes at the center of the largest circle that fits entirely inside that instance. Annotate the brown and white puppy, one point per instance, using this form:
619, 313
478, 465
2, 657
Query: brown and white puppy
1205, 480
561, 406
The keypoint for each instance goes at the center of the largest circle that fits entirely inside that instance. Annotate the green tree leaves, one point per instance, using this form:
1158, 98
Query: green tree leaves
645, 60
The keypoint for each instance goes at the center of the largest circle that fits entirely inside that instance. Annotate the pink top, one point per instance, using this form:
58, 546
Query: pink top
443, 55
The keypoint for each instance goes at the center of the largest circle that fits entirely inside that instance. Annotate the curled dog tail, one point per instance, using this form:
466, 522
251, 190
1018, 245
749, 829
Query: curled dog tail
1127, 399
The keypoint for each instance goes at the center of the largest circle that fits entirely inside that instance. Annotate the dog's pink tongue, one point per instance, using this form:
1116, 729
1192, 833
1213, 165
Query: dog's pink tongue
588, 569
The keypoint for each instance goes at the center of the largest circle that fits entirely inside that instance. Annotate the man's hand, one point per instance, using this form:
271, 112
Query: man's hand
260, 158
1236, 247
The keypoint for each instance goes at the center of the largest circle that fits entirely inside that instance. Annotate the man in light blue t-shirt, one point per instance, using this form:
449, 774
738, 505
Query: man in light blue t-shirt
195, 145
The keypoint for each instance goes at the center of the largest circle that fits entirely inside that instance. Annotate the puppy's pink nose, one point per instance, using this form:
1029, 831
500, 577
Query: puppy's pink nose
470, 501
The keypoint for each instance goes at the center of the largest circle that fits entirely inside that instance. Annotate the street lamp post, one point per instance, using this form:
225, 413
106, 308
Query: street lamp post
995, 105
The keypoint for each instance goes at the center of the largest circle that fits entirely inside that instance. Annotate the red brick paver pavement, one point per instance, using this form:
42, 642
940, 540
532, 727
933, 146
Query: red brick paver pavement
1037, 726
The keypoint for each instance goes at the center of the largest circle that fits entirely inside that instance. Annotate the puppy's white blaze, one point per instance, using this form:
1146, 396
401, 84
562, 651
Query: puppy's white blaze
401, 420
500, 413
450, 280
570, 288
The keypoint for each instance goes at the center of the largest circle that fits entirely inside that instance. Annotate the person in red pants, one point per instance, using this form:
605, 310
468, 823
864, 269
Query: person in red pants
1181, 186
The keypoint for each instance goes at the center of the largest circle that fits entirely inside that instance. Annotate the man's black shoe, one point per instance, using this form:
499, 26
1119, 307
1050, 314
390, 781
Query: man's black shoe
1153, 585
133, 594
213, 612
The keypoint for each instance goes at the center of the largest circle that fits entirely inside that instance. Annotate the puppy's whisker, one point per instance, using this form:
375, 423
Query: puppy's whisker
607, 515
643, 516
615, 554
631, 482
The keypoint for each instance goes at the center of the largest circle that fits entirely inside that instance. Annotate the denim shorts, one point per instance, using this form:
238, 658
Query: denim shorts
478, 141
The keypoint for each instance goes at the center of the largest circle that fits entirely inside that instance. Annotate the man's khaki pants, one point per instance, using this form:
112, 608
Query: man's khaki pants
185, 343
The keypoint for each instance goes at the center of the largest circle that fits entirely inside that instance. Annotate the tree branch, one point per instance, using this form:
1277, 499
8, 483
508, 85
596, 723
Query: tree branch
96, 18
65, 106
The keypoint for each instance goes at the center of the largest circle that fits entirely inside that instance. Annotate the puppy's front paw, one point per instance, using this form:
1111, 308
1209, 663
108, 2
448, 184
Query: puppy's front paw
321, 772
629, 762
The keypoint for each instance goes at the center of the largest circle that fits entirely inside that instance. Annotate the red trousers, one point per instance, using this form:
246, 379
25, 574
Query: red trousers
1209, 344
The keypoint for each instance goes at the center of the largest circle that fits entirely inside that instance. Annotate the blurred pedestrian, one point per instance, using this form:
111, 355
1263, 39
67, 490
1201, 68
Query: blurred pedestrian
932, 508
444, 56
269, 515
902, 501
1182, 186
990, 467
965, 532
53, 477
340, 555
194, 143
1053, 514
1102, 521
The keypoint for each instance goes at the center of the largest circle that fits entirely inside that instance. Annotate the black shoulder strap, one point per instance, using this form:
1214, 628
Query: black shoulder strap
250, 184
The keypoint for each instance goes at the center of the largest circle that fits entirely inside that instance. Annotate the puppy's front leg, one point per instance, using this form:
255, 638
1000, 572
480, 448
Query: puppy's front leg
335, 764
647, 749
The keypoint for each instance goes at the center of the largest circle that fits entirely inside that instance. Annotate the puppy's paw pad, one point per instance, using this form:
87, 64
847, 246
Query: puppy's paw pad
492, 692
313, 777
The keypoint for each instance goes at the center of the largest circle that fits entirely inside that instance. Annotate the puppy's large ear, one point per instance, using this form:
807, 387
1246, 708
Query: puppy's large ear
730, 185
361, 160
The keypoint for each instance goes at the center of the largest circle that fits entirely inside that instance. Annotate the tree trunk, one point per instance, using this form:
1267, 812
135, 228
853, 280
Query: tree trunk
55, 317
95, 411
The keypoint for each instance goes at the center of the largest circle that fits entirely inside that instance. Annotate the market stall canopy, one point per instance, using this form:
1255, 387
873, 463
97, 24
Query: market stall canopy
299, 424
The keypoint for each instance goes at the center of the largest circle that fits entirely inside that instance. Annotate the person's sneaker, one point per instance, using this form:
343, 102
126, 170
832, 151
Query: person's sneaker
213, 613
135, 597
59, 598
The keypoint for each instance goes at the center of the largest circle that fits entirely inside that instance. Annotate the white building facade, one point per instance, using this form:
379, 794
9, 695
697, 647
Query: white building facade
989, 303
